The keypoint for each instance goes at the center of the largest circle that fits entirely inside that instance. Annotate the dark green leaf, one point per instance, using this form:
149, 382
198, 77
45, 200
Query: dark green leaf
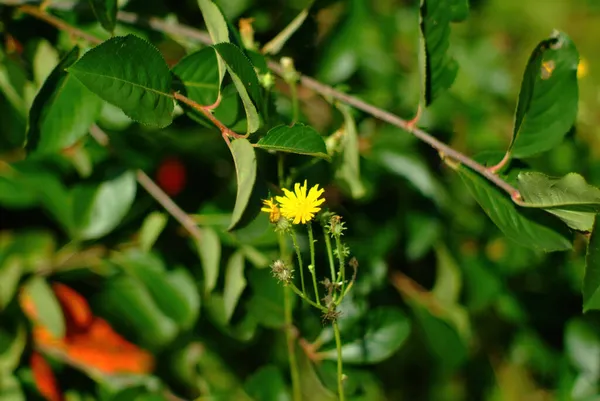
438, 69
128, 304
199, 74
99, 209
48, 311
591, 279
63, 110
245, 80
386, 329
245, 168
459, 10
298, 138
209, 250
519, 224
217, 28
106, 12
267, 384
569, 198
130, 73
235, 282
310, 383
547, 105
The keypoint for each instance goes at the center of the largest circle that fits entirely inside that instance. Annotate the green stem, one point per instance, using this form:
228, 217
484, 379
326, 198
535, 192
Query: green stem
300, 267
307, 299
340, 372
312, 261
294, 373
340, 252
329, 254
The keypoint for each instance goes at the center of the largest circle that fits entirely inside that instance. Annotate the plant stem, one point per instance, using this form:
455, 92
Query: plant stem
312, 261
300, 267
342, 272
307, 299
340, 371
329, 254
294, 373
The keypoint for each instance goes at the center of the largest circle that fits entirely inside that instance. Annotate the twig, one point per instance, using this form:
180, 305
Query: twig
155, 191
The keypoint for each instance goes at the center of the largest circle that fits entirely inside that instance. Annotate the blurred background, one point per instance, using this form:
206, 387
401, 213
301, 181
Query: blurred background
448, 307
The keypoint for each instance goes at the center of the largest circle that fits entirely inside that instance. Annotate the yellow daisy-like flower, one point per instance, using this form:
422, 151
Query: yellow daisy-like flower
273, 210
300, 206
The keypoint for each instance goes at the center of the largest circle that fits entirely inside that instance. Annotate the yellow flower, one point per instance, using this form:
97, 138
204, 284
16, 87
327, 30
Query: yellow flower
582, 68
299, 206
273, 210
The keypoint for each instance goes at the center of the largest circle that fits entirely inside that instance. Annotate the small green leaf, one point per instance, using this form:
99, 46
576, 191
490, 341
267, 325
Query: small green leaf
217, 28
349, 170
12, 345
299, 138
106, 12
235, 282
582, 346
245, 168
48, 311
128, 304
199, 74
438, 69
99, 209
11, 389
11, 270
459, 10
267, 384
153, 225
547, 105
591, 279
569, 198
209, 250
275, 45
448, 281
519, 224
245, 80
130, 73
386, 329
63, 110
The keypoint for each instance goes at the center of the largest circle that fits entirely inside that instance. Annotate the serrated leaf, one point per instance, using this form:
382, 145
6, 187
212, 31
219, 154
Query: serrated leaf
299, 138
569, 198
130, 73
519, 224
62, 111
349, 170
548, 100
106, 12
47, 310
438, 68
591, 279
245, 80
385, 330
209, 250
245, 168
199, 74
217, 28
99, 209
235, 282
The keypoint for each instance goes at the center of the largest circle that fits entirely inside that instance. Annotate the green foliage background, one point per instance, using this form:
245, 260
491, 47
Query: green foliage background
445, 307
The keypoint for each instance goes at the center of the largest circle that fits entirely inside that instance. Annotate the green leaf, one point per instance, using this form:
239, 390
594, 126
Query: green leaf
245, 80
217, 28
266, 303
448, 281
591, 279
385, 330
12, 345
106, 12
99, 209
130, 73
349, 170
438, 69
245, 168
127, 303
275, 45
209, 250
312, 387
299, 138
63, 110
11, 389
48, 311
267, 384
459, 10
199, 74
11, 270
235, 282
547, 106
582, 346
521, 225
569, 198
153, 225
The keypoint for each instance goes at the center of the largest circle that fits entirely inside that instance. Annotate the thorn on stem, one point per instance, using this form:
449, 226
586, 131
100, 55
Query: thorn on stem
412, 123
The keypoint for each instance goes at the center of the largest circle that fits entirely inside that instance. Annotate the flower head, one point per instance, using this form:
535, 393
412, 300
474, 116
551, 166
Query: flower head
273, 210
300, 206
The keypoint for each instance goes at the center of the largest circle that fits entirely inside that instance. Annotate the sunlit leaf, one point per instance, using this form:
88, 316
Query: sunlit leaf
298, 138
217, 28
209, 250
235, 282
245, 168
41, 306
130, 73
349, 169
